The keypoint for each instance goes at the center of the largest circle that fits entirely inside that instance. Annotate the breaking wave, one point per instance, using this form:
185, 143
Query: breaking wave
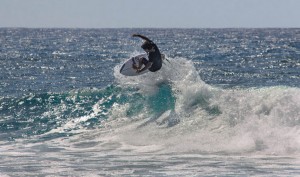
172, 110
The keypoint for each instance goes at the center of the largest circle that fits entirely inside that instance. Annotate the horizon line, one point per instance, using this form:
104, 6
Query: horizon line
153, 27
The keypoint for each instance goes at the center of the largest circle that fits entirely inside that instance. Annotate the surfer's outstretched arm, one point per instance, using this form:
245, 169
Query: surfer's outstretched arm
141, 36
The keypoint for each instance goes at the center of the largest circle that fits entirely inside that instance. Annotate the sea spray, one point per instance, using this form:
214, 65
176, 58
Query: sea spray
211, 119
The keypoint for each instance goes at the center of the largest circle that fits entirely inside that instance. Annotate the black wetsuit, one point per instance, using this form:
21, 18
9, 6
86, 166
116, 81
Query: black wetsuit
155, 58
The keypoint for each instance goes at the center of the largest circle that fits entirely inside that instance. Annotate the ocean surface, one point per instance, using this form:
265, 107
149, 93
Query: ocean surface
227, 103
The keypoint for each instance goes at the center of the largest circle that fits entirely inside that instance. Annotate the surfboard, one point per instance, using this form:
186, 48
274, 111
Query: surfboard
127, 69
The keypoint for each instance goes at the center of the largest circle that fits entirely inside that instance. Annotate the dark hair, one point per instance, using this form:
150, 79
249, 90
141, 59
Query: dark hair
146, 45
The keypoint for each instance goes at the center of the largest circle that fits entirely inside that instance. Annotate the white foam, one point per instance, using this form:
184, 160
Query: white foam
249, 120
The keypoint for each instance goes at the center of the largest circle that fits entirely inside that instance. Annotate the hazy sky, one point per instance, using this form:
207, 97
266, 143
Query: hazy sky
150, 13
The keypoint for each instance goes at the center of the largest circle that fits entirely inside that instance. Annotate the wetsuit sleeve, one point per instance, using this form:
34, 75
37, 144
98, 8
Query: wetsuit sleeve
143, 37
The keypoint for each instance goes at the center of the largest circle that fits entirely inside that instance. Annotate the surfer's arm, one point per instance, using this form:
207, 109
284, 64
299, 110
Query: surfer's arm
141, 36
148, 65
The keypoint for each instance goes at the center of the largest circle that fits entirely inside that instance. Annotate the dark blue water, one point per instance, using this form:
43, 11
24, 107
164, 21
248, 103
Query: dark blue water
226, 95
58, 60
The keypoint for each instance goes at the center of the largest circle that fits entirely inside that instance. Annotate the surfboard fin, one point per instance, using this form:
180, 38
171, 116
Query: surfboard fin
163, 57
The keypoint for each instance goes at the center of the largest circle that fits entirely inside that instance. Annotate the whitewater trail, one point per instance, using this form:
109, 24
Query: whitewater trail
169, 111
203, 118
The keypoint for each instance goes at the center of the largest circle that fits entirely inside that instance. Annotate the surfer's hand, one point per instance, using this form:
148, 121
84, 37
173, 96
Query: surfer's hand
134, 66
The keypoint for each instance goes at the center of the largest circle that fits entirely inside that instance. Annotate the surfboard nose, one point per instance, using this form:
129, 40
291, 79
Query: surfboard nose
122, 68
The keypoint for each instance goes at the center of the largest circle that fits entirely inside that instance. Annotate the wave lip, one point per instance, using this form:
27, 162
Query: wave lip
172, 109
208, 119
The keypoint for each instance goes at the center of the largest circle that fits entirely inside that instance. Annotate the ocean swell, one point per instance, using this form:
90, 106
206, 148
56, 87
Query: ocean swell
172, 110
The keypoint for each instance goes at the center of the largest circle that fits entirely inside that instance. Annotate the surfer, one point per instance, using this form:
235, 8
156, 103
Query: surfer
155, 58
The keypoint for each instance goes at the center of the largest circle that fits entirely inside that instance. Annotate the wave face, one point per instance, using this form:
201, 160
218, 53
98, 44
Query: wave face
193, 116
172, 109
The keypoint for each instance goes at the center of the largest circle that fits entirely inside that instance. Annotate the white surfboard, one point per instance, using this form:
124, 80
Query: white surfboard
127, 68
